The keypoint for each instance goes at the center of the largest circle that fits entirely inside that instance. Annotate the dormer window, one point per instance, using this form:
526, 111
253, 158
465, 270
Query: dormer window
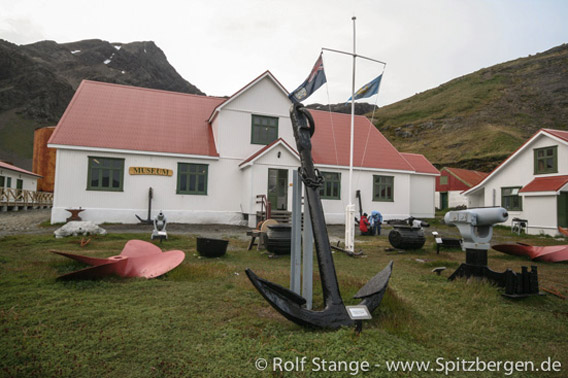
264, 129
546, 160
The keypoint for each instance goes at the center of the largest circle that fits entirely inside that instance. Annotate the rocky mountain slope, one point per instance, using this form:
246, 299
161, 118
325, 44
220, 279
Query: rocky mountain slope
37, 81
477, 120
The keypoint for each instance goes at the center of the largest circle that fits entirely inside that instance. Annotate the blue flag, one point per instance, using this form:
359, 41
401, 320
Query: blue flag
369, 89
313, 82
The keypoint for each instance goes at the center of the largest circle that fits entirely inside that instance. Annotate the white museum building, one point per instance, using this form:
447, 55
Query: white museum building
207, 158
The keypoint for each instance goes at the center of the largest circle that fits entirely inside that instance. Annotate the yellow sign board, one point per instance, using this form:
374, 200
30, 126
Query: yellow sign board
150, 171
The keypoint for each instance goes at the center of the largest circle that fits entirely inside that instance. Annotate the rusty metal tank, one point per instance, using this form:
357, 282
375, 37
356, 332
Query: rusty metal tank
44, 159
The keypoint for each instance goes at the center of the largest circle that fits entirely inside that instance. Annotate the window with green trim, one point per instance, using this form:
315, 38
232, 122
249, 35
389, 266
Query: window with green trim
192, 179
105, 174
264, 129
546, 160
383, 188
331, 188
8, 182
19, 184
2, 181
510, 198
443, 180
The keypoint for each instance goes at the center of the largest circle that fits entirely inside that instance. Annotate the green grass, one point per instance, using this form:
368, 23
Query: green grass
205, 318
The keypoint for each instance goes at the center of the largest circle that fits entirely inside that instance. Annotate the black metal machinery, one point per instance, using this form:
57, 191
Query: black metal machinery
291, 305
149, 219
476, 228
407, 233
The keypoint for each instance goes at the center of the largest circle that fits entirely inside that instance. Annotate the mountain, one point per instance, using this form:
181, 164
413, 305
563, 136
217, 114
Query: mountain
477, 120
38, 80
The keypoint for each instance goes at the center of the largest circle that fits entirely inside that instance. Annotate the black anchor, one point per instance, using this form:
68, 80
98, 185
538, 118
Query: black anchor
285, 301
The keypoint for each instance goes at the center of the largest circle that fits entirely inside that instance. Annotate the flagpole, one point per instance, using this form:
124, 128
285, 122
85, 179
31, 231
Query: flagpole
350, 211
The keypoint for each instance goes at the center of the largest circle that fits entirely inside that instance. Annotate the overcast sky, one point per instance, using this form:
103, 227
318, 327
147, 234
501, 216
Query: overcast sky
220, 46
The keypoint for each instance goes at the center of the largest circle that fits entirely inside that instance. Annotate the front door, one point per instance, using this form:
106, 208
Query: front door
277, 192
443, 200
562, 209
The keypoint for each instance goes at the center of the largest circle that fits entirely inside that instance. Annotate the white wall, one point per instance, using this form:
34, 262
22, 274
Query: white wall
422, 192
220, 205
235, 120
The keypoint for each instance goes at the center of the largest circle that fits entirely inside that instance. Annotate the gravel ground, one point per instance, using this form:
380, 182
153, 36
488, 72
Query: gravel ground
29, 222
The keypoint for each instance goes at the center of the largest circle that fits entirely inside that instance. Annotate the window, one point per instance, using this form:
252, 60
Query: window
331, 186
105, 174
510, 198
443, 180
264, 129
192, 179
2, 181
19, 184
8, 182
545, 160
383, 188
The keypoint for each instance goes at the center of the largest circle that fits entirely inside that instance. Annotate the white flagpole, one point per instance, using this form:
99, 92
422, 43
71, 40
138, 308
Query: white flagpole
350, 210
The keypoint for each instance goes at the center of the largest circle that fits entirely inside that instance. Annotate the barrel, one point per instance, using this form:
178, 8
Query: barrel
279, 239
407, 238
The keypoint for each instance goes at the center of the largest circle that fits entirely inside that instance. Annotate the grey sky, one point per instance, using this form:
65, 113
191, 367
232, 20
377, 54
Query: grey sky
220, 46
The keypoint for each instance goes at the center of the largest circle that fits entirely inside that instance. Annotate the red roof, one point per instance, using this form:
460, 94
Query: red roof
420, 163
370, 148
468, 177
545, 184
123, 117
557, 133
16, 169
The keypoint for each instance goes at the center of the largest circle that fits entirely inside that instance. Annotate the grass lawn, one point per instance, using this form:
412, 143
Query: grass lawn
205, 318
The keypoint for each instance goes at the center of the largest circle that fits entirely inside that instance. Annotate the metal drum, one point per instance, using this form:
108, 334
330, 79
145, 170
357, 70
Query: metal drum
278, 239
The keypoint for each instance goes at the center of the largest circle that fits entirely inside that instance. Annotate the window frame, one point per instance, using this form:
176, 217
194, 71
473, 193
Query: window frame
377, 189
503, 196
2, 181
181, 171
323, 190
554, 158
255, 125
446, 180
112, 169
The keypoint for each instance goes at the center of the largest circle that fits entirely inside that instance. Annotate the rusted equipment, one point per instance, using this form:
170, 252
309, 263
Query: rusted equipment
149, 219
551, 253
291, 305
279, 239
407, 233
137, 259
476, 228
74, 214
445, 242
208, 247
563, 230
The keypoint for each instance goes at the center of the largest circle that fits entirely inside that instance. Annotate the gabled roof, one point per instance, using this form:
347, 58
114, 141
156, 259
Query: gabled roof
330, 143
561, 136
468, 177
111, 116
11, 167
420, 163
545, 184
264, 150
244, 89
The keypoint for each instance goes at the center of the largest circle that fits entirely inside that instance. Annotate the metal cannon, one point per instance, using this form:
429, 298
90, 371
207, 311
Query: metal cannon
291, 305
476, 229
